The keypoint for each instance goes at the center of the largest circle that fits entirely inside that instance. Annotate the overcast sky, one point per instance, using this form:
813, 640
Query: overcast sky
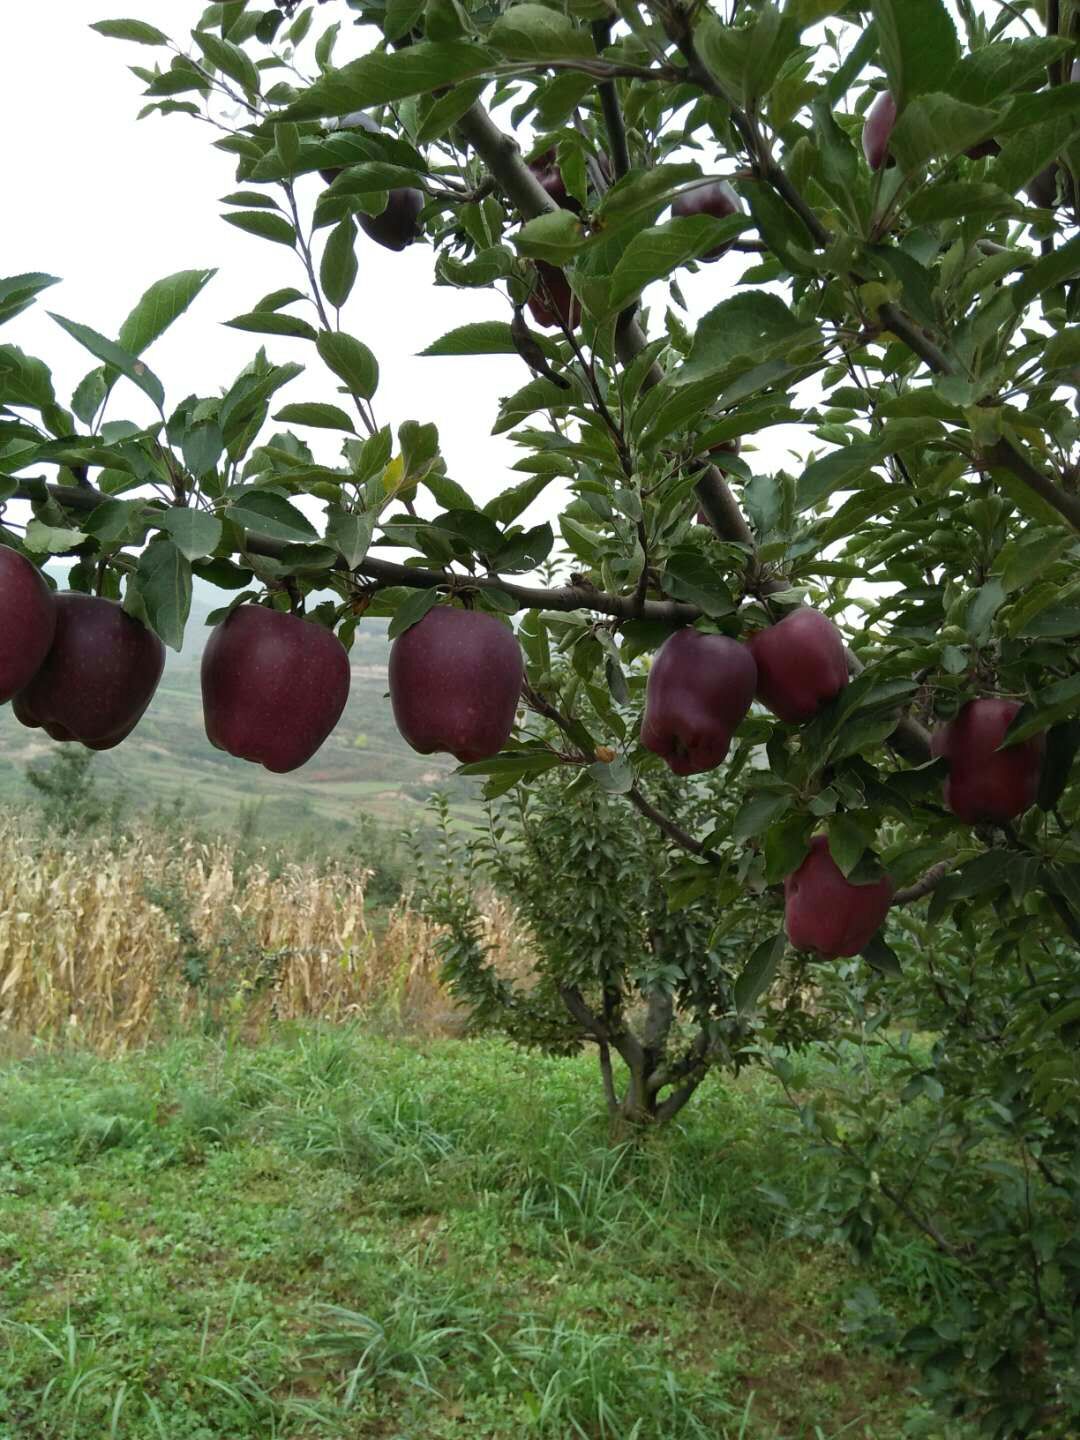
110, 205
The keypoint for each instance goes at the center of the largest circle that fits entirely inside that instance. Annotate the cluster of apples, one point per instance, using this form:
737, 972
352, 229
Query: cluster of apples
553, 304
74, 665
274, 685
881, 118
699, 690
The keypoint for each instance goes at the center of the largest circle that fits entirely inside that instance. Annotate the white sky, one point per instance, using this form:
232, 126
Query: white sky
110, 205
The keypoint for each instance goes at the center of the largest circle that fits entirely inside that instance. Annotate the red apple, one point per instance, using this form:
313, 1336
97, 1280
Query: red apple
546, 169
1042, 189
273, 686
455, 683
396, 226
717, 199
877, 128
553, 303
825, 912
801, 664
28, 612
98, 677
985, 784
699, 689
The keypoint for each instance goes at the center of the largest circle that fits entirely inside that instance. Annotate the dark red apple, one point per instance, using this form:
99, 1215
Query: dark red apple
455, 683
546, 169
273, 686
877, 128
985, 784
553, 303
396, 226
717, 199
825, 912
699, 689
27, 621
801, 664
1042, 189
98, 677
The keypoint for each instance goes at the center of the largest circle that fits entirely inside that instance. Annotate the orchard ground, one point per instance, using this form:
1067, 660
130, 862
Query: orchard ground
337, 1233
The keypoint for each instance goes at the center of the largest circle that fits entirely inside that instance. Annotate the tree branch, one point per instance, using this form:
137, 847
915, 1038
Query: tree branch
609, 105
671, 829
925, 884
390, 572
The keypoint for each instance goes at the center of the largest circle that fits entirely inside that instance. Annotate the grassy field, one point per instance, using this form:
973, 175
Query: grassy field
336, 1234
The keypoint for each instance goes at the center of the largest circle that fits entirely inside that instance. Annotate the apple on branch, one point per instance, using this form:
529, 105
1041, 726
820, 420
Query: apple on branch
826, 913
455, 683
98, 677
699, 689
273, 686
553, 304
801, 664
877, 129
715, 198
397, 225
27, 621
987, 785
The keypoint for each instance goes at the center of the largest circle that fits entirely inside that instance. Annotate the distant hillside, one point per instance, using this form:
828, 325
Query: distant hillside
364, 766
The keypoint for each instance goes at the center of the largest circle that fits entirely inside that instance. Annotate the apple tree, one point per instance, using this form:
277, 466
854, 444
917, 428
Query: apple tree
889, 190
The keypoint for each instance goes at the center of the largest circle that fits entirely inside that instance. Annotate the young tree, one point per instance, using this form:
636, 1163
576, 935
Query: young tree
907, 299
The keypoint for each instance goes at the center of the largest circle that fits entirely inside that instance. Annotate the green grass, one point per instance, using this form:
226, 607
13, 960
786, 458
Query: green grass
339, 1235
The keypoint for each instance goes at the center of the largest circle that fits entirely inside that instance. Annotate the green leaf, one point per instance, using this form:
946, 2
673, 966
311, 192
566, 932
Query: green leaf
337, 273
918, 45
137, 30
18, 291
350, 533
758, 812
135, 370
270, 322
616, 778
849, 839
202, 445
657, 251
381, 77
42, 539
324, 417
882, 957
1050, 271
350, 360
163, 582
229, 59
1059, 701
411, 610
24, 379
195, 533
505, 508
837, 471
90, 394
164, 301
936, 125
533, 32
483, 337
758, 973
265, 225
749, 327
556, 236
272, 515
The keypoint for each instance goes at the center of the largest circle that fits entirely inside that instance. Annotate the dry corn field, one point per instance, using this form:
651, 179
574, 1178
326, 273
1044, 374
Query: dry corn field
107, 943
